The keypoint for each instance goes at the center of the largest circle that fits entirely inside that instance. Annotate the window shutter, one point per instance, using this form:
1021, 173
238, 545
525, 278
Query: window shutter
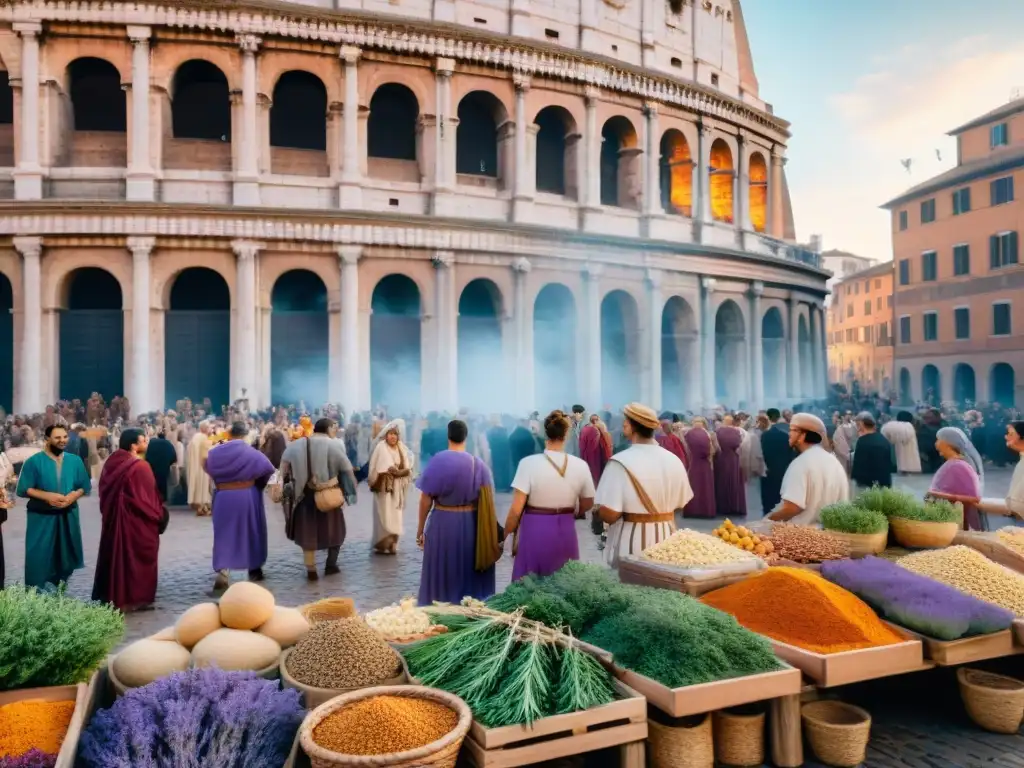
1011, 256
993, 251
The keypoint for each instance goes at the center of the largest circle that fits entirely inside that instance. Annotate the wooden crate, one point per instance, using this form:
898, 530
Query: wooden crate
832, 669
948, 653
76, 693
990, 546
651, 575
1018, 632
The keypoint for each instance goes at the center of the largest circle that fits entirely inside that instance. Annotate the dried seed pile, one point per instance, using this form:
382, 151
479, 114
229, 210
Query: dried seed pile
342, 654
383, 725
807, 545
972, 573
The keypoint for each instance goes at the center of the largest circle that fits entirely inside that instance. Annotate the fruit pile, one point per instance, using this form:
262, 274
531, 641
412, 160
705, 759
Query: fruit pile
744, 538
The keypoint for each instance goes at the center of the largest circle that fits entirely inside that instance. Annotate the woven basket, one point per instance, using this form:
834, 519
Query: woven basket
995, 702
838, 732
922, 535
679, 746
739, 738
442, 753
864, 544
313, 697
328, 609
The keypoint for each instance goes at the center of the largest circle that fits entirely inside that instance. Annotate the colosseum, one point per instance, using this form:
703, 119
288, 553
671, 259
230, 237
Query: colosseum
428, 204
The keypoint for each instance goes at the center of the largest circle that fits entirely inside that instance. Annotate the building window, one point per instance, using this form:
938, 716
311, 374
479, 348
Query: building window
883, 333
929, 266
849, 310
962, 259
856, 289
1001, 324
1002, 249
1002, 190
867, 307
931, 326
849, 334
961, 201
928, 211
878, 303
904, 271
878, 284
867, 286
999, 135
962, 322
904, 223
905, 329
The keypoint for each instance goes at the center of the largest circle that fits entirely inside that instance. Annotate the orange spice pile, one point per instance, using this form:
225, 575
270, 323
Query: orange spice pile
34, 724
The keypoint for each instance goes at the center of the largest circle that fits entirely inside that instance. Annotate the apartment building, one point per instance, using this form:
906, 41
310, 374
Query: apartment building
859, 330
958, 275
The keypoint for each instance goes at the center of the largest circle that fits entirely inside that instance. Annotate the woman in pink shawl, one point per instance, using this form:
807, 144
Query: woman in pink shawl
730, 493
701, 449
960, 477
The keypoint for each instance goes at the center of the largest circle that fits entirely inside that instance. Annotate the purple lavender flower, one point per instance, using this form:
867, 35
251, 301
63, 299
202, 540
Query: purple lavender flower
34, 758
916, 602
202, 717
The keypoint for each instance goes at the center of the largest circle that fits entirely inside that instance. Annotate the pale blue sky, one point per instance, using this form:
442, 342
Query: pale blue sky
866, 83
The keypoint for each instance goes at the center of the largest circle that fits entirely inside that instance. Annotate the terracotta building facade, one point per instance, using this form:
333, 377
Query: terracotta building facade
491, 208
859, 331
958, 276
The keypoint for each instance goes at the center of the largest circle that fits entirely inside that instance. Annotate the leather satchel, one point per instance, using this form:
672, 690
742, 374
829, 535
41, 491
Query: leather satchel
327, 496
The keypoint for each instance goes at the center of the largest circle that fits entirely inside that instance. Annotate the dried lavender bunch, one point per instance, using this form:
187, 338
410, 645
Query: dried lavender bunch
34, 758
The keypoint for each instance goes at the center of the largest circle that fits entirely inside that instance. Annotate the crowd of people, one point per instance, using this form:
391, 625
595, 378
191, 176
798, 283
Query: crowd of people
638, 475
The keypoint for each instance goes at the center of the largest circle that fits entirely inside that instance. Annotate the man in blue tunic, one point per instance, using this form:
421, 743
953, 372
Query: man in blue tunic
53, 481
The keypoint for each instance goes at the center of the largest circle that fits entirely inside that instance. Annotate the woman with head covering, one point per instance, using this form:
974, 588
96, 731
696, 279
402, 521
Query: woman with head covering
390, 473
903, 436
961, 476
701, 449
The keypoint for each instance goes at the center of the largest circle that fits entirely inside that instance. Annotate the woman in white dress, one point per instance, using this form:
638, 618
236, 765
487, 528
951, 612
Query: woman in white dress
390, 474
903, 436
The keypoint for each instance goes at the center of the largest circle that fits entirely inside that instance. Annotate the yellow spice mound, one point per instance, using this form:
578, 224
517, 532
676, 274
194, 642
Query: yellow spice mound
972, 573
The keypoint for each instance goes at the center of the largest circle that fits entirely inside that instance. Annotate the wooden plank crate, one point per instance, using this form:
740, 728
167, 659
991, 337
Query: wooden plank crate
652, 575
79, 694
831, 669
948, 653
991, 547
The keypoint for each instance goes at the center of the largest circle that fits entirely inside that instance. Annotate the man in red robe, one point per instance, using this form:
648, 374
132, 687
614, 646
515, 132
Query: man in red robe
595, 449
667, 439
133, 519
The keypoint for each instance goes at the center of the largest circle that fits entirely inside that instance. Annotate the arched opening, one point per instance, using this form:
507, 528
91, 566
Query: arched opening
555, 158
722, 175
197, 339
620, 345
6, 121
98, 135
476, 139
620, 164
395, 353
200, 118
773, 356
730, 354
554, 350
758, 192
676, 174
679, 353
805, 350
906, 393
6, 343
300, 339
1002, 385
298, 125
391, 127
482, 383
931, 385
91, 336
963, 385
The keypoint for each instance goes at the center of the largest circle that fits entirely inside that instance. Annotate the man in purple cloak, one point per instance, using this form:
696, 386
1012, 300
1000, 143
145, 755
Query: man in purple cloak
239, 473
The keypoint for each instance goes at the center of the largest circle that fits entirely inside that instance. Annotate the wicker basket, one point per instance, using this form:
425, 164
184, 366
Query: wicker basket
681, 745
442, 753
995, 702
838, 732
864, 544
328, 609
917, 534
739, 738
313, 697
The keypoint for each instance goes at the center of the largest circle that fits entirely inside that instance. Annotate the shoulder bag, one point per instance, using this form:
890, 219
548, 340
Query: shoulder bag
327, 496
490, 536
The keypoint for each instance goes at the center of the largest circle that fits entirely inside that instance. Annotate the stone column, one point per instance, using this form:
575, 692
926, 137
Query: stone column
444, 136
247, 183
140, 183
756, 349
589, 363
592, 164
335, 139
702, 184
742, 187
245, 356
525, 174
28, 176
793, 363
30, 381
140, 388
652, 168
707, 335
447, 314
349, 392
523, 362
776, 220
655, 305
350, 193
648, 24
818, 351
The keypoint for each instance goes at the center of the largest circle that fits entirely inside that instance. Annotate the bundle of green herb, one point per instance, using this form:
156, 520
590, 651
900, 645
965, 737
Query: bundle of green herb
510, 671
889, 501
48, 638
935, 511
847, 517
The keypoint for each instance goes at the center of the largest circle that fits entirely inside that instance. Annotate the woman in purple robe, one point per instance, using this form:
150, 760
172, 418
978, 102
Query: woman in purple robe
730, 493
239, 473
450, 487
701, 471
960, 477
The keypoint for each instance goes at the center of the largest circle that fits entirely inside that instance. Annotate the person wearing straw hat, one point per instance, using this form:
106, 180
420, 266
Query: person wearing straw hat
641, 489
814, 479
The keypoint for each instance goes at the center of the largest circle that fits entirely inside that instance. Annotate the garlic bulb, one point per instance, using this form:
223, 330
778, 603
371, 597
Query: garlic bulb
399, 619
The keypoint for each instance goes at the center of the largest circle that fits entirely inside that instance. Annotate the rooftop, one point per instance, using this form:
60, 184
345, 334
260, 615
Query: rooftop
879, 269
1006, 110
999, 160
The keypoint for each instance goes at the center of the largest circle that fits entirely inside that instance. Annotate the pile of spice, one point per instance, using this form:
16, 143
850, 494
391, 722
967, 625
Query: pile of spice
1012, 537
34, 725
917, 602
970, 572
691, 549
384, 725
801, 544
34, 758
342, 654
798, 607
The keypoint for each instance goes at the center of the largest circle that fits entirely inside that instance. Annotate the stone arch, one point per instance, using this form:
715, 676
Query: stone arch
395, 343
393, 123
6, 343
557, 152
554, 349
477, 140
620, 163
115, 53
906, 393
273, 66
931, 385
676, 168
97, 101
169, 59
680, 353
419, 79
200, 102
1002, 385
773, 357
298, 112
197, 338
758, 191
730, 353
964, 392
722, 173
480, 354
91, 335
299, 339
620, 348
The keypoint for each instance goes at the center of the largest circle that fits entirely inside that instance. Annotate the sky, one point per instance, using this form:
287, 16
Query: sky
868, 83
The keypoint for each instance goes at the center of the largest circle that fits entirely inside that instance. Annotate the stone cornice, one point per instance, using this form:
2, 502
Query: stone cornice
414, 37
